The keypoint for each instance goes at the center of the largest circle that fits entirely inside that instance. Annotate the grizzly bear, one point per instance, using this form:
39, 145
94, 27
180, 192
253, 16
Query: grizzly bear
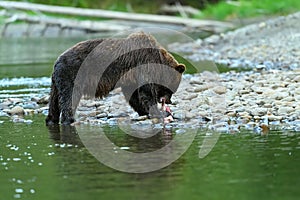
138, 64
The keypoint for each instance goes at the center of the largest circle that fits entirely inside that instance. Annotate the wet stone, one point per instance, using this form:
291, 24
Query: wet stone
101, 115
5, 105
285, 110
190, 97
201, 88
43, 100
296, 79
30, 105
17, 110
15, 100
219, 89
259, 111
190, 115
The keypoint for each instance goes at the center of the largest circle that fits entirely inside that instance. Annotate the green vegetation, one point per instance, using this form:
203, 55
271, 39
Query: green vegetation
139, 6
248, 9
224, 10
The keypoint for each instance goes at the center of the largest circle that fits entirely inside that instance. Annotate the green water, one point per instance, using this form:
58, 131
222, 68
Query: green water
41, 163
31, 57
37, 163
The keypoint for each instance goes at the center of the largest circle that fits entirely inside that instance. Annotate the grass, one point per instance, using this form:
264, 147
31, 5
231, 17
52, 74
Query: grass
249, 9
139, 6
221, 11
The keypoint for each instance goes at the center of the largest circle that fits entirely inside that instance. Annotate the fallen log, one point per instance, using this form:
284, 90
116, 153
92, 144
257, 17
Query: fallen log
208, 25
184, 11
68, 23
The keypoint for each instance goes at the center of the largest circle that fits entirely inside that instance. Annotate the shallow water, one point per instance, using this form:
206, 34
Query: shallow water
41, 163
26, 64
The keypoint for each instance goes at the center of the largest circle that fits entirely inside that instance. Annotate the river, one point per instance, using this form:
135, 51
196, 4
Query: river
37, 162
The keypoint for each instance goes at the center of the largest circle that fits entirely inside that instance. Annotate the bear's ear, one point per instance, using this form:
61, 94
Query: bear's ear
180, 68
163, 52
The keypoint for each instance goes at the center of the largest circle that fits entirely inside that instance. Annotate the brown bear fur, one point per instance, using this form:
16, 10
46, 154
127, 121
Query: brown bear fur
144, 70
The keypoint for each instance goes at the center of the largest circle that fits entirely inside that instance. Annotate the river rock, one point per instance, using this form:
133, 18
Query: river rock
296, 79
43, 100
212, 39
280, 95
260, 67
5, 105
274, 118
29, 111
201, 88
190, 97
288, 99
196, 80
285, 110
297, 91
190, 115
17, 110
179, 115
15, 100
92, 104
259, 111
30, 105
219, 89
101, 115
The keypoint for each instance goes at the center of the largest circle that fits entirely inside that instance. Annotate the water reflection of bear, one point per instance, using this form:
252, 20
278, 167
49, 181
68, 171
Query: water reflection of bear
97, 177
64, 134
68, 135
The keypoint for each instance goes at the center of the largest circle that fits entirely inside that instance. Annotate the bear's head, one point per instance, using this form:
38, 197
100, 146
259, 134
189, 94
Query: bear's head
167, 73
157, 76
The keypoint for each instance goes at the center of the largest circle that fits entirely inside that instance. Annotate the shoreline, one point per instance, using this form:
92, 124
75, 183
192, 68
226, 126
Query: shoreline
227, 102
266, 97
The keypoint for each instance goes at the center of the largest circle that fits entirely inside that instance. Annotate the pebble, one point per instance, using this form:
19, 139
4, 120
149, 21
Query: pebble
17, 110
15, 100
285, 110
219, 89
101, 115
31, 105
180, 131
190, 97
259, 111
5, 105
296, 79
274, 118
254, 46
42, 100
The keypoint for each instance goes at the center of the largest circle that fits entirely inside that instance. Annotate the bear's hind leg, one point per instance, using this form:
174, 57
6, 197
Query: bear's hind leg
54, 110
69, 102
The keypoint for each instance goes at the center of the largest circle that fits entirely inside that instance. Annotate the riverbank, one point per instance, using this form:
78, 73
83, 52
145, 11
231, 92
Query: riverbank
264, 98
271, 44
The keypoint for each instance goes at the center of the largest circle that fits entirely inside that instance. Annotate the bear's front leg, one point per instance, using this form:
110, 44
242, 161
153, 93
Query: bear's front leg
67, 106
67, 114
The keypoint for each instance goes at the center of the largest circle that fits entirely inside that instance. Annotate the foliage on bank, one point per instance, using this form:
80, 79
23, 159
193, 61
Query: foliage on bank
212, 9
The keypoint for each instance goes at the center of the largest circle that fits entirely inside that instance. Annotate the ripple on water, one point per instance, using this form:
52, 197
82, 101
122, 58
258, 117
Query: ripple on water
23, 87
43, 81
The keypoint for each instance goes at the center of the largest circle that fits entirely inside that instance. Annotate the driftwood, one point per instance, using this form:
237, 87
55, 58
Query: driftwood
207, 25
184, 11
89, 26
